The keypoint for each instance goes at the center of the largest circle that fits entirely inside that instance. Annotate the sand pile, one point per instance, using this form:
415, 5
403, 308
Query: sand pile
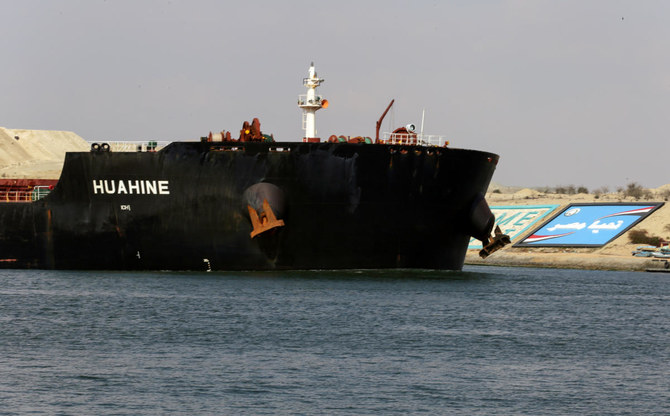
37, 154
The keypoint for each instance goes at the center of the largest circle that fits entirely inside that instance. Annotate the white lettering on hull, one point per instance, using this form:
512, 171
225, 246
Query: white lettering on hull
130, 187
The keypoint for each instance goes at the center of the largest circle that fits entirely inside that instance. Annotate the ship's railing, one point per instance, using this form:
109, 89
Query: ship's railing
414, 139
317, 101
29, 194
16, 195
131, 146
40, 192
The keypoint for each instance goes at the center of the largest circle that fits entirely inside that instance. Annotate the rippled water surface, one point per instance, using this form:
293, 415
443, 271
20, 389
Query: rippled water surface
479, 342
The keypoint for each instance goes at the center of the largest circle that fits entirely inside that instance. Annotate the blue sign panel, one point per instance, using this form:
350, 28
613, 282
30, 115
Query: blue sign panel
514, 220
588, 225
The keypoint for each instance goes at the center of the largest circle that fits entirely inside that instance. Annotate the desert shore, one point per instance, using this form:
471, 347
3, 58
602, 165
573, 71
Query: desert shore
616, 255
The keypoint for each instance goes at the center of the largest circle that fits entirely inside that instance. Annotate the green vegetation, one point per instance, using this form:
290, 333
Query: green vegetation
665, 194
632, 190
636, 191
643, 237
601, 191
565, 189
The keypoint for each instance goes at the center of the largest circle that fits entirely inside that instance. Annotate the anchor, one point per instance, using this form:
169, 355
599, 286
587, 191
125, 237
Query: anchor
494, 243
264, 221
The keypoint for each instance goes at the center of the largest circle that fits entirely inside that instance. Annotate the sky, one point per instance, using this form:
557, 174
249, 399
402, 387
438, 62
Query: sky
568, 92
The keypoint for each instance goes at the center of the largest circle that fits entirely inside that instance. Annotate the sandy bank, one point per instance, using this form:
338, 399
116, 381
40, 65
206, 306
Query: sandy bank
564, 260
36, 154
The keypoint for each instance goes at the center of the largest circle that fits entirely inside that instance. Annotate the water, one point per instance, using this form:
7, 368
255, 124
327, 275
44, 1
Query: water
479, 342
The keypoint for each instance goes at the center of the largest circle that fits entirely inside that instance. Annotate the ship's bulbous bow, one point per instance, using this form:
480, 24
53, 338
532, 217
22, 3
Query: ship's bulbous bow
481, 224
482, 219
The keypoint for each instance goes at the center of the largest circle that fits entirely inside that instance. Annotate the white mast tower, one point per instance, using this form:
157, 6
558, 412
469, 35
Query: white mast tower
309, 103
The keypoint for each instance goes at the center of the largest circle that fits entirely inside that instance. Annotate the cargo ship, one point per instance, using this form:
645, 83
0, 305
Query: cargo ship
404, 200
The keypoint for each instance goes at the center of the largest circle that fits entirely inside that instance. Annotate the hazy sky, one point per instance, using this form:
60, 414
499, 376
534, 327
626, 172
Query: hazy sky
567, 92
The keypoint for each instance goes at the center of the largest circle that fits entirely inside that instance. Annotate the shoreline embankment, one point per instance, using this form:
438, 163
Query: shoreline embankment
565, 260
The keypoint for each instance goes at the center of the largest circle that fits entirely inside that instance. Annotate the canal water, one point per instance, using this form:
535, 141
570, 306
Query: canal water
487, 340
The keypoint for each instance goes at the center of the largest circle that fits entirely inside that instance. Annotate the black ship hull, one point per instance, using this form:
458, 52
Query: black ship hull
255, 206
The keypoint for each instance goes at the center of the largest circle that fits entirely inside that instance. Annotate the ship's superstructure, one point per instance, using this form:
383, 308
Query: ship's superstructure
310, 103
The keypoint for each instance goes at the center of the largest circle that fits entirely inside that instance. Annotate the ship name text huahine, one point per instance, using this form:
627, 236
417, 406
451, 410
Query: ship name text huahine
131, 187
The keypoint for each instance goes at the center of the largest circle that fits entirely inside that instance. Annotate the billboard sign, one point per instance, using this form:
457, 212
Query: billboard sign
588, 225
516, 219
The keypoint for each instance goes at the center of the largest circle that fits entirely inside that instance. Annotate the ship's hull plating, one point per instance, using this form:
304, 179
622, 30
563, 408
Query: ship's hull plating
187, 208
